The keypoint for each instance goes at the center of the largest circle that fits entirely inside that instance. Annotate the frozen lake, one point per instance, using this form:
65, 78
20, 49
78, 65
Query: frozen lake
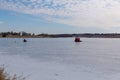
62, 58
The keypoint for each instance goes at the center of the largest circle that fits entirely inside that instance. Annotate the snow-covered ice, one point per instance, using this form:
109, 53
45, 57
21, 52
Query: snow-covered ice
44, 59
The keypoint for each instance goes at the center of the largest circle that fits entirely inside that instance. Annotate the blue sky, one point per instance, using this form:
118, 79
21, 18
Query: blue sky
60, 16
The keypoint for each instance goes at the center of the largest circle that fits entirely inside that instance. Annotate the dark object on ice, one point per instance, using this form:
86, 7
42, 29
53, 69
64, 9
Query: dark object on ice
77, 39
24, 40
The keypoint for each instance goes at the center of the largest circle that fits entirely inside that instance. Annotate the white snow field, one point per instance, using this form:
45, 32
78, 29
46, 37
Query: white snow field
62, 58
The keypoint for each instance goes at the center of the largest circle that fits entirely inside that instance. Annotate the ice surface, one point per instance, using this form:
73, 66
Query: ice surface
62, 59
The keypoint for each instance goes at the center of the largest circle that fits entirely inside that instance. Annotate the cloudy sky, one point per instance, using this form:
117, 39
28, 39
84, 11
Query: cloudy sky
60, 16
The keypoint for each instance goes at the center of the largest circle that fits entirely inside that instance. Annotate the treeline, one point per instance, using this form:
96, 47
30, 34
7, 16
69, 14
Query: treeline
32, 35
16, 34
99, 35
25, 34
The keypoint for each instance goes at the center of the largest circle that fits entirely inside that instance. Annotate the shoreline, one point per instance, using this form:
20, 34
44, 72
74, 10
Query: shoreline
59, 37
45, 35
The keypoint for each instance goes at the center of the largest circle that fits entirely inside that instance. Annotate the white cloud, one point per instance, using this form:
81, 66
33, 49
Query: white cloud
85, 13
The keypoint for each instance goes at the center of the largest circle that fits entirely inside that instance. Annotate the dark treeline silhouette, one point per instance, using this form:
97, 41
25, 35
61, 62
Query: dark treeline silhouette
15, 34
88, 35
5, 34
32, 35
100, 35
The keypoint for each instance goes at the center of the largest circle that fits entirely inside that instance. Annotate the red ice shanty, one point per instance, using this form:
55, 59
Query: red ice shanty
77, 39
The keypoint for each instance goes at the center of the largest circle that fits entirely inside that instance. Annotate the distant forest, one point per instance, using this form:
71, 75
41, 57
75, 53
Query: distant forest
44, 35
